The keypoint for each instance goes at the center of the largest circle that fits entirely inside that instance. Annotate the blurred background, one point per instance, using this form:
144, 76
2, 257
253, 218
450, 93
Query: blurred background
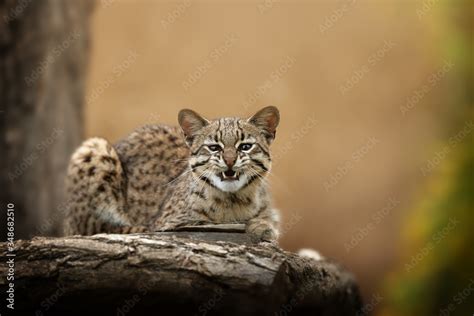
373, 160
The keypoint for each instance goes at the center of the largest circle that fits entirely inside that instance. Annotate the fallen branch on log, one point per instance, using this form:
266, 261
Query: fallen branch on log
184, 273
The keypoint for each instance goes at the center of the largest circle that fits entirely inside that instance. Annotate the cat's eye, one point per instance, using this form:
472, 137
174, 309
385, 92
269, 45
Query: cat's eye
245, 146
214, 147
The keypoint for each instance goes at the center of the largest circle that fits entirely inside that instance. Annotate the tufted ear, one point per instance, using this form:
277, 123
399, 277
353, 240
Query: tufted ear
191, 123
267, 120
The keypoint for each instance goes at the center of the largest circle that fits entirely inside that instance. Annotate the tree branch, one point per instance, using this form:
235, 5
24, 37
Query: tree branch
181, 272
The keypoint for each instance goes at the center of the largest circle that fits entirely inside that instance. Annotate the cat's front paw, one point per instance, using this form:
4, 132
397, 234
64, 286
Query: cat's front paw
262, 230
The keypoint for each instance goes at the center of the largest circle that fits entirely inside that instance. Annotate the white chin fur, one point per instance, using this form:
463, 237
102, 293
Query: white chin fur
229, 186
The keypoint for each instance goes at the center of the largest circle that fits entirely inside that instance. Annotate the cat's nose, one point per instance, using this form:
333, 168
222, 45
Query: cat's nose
229, 156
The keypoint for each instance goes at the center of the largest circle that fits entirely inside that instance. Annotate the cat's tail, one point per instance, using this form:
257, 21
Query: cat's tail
310, 253
95, 185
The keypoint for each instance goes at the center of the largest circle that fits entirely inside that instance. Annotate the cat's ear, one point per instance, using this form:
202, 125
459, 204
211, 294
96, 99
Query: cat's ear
267, 120
191, 123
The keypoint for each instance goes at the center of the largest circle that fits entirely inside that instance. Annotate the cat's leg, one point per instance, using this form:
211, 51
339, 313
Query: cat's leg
265, 225
95, 185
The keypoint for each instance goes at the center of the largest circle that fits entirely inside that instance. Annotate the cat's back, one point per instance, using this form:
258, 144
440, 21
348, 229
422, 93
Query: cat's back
152, 156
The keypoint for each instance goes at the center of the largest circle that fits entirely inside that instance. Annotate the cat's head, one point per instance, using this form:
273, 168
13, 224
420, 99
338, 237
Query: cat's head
230, 153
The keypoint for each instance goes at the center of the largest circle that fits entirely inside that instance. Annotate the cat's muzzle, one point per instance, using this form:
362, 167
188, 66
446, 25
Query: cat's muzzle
229, 175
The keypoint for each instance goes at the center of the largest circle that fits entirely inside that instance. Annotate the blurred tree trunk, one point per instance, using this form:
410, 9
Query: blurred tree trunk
43, 57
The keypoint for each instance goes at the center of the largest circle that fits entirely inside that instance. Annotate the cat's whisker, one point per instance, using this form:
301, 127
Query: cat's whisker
189, 198
177, 178
262, 178
205, 173
254, 172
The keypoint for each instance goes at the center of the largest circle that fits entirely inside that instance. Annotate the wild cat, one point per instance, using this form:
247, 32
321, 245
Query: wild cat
161, 178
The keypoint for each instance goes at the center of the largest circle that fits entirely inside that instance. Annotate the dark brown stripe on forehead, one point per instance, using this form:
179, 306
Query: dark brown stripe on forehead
240, 131
218, 132
237, 128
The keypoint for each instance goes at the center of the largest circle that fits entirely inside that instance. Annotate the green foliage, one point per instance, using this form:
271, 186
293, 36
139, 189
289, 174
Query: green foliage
437, 277
436, 273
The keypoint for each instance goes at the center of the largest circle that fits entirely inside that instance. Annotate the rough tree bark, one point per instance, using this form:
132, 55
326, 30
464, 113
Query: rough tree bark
43, 57
179, 273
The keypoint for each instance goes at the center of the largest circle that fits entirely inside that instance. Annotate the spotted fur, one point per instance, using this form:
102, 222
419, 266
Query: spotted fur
161, 178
